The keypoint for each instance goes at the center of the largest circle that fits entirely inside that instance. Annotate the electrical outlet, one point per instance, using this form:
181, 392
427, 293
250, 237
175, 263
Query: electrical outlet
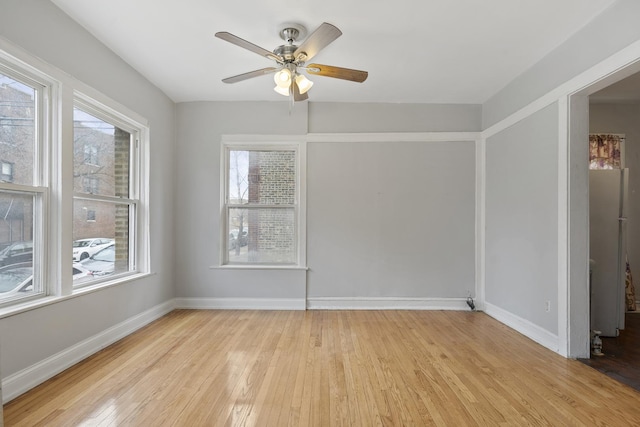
547, 306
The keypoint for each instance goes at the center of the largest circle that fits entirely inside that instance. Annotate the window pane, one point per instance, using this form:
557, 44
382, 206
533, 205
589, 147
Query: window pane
17, 131
16, 246
262, 177
100, 239
262, 235
101, 156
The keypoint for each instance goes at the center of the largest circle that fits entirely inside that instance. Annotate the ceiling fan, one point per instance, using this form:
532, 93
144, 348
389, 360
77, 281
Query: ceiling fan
292, 58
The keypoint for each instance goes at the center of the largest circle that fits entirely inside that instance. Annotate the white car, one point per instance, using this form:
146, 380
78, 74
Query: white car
84, 248
18, 278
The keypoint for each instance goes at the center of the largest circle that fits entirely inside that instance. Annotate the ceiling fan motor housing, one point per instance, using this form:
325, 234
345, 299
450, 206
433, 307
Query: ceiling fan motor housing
286, 52
289, 35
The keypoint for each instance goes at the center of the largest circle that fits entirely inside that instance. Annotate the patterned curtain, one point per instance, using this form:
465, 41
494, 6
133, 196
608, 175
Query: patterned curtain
630, 292
604, 151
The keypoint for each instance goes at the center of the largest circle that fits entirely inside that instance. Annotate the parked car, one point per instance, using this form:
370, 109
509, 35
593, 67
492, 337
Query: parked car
84, 248
16, 278
80, 272
16, 253
102, 262
234, 240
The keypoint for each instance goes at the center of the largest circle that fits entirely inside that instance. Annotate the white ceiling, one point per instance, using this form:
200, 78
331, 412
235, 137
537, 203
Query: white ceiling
416, 51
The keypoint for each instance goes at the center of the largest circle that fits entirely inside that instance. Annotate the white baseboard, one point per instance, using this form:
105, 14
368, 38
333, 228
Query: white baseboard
386, 303
24, 380
525, 327
241, 303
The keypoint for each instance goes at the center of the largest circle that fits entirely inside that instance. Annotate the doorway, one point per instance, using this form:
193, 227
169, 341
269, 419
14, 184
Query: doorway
613, 110
577, 128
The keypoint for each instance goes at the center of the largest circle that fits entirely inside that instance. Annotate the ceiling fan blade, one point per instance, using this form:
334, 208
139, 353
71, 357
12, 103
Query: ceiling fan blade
250, 75
337, 72
297, 96
248, 45
318, 40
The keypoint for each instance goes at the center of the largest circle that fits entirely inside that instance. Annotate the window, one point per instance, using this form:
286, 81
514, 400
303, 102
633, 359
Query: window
22, 186
90, 149
262, 204
105, 202
106, 146
90, 185
6, 171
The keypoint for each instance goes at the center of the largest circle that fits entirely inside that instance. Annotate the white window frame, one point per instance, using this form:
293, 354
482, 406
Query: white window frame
45, 114
136, 224
53, 184
296, 143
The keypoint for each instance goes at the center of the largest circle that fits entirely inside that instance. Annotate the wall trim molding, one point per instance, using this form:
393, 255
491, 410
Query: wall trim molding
240, 303
480, 231
595, 76
386, 303
394, 137
24, 380
525, 327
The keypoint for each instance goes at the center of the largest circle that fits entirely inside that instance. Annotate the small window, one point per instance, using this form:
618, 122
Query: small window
6, 172
262, 205
91, 215
91, 185
91, 154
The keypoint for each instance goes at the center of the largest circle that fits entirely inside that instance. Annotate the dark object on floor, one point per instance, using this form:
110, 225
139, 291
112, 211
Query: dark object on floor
621, 360
471, 304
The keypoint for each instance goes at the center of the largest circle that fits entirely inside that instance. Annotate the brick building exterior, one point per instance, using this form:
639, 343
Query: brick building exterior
17, 140
272, 181
101, 167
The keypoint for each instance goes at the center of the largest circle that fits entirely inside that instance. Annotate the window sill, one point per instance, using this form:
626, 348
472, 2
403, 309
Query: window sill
49, 300
257, 267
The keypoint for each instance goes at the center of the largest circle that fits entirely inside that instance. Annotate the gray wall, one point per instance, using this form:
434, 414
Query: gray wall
522, 219
383, 219
334, 117
624, 118
391, 219
609, 33
197, 199
44, 31
614, 29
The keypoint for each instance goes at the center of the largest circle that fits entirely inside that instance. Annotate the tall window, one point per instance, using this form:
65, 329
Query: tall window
22, 186
262, 205
105, 202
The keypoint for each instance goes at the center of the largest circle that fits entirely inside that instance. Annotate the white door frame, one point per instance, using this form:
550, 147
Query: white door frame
574, 194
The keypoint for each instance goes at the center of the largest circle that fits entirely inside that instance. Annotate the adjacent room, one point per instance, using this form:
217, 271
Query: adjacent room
335, 213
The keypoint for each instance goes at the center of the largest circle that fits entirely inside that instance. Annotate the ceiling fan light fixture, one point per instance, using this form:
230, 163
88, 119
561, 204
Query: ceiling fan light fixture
284, 91
283, 78
304, 84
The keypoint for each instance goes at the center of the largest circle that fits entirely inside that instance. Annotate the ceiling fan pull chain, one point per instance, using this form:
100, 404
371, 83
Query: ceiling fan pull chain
291, 100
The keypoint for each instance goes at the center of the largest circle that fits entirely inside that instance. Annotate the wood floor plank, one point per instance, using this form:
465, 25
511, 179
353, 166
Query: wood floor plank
319, 368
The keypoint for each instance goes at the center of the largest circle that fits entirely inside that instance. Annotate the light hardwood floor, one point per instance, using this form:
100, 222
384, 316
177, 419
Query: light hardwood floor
326, 368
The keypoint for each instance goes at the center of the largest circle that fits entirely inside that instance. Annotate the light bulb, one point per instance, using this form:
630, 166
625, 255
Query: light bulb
304, 84
283, 78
